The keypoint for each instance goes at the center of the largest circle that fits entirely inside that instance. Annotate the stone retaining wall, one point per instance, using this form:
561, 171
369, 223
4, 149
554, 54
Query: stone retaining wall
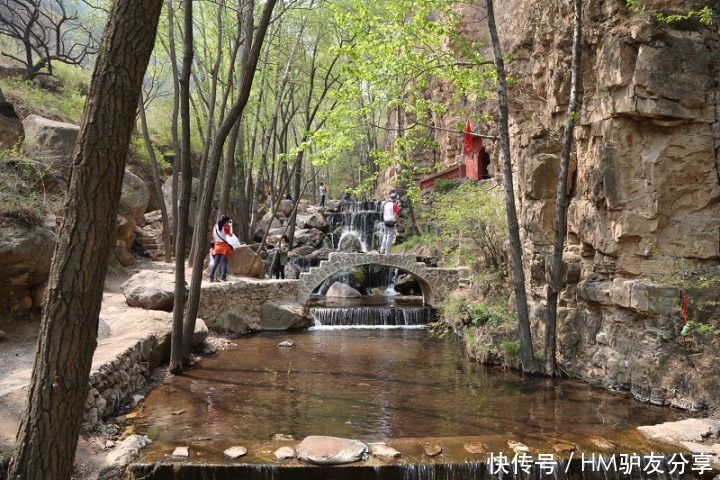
237, 306
116, 379
112, 381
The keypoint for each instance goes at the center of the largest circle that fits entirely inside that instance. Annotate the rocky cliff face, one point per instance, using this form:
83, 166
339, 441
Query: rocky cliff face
644, 188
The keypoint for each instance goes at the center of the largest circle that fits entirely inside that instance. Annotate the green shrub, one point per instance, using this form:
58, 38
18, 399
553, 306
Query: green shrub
459, 311
443, 185
471, 224
701, 285
509, 347
64, 105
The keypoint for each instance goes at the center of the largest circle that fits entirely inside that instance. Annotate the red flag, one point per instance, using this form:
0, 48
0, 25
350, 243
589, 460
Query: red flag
468, 138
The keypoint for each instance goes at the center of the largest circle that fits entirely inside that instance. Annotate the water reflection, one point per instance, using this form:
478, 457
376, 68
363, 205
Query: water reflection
374, 384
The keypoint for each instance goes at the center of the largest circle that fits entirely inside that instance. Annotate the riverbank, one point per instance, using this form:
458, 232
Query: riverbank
131, 345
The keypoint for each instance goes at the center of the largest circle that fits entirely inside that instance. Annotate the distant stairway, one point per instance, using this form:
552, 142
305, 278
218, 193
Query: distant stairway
149, 241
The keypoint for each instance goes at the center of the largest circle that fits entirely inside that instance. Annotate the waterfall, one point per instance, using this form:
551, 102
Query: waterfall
357, 220
390, 317
556, 469
304, 264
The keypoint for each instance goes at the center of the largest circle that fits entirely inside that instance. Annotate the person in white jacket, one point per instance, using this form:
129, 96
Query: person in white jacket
391, 218
222, 250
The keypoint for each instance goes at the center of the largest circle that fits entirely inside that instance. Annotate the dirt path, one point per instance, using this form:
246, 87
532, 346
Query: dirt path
120, 326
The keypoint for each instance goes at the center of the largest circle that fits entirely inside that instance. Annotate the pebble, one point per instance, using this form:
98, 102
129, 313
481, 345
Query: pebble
602, 443
286, 343
235, 452
283, 453
383, 451
561, 447
476, 447
182, 453
518, 447
432, 449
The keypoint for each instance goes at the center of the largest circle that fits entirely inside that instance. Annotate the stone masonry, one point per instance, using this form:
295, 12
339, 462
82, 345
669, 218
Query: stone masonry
237, 305
434, 282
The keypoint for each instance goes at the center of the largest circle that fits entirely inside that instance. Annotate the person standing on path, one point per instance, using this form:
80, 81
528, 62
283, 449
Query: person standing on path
222, 250
391, 219
323, 192
281, 257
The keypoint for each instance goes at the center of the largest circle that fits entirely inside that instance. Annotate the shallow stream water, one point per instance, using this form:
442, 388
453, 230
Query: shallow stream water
375, 384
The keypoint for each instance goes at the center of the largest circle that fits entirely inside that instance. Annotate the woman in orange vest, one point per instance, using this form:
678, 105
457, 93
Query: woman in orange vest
222, 250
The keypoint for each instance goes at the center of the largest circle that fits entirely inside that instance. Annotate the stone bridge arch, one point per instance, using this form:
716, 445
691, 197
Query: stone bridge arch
434, 282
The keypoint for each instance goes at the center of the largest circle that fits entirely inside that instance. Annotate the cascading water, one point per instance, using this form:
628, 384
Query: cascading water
358, 224
371, 317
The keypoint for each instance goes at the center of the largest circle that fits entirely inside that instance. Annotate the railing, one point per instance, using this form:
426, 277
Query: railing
452, 173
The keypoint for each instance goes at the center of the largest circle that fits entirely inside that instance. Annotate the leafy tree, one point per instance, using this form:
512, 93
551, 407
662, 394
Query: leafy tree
471, 225
49, 430
200, 240
46, 32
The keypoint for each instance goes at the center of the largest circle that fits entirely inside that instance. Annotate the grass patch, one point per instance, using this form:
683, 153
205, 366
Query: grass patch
65, 105
23, 196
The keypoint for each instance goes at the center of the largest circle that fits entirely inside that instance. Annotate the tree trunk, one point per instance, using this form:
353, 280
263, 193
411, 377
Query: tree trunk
526, 347
177, 153
156, 182
176, 342
235, 112
50, 427
554, 283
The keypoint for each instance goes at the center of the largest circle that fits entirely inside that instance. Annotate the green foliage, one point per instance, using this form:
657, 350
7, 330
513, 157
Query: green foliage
509, 347
471, 223
65, 105
635, 6
443, 185
701, 285
140, 150
705, 15
418, 241
459, 311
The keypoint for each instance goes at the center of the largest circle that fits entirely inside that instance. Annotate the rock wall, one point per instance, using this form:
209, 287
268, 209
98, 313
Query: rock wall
113, 380
644, 188
238, 306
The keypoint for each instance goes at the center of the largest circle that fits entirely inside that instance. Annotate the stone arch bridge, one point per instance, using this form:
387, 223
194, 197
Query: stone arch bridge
434, 282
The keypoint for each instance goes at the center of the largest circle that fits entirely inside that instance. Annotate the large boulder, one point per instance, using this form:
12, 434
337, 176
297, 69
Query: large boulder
135, 195
267, 219
285, 208
25, 254
350, 244
47, 137
167, 195
150, 290
407, 285
125, 232
341, 290
312, 237
11, 128
316, 221
323, 450
283, 315
246, 263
